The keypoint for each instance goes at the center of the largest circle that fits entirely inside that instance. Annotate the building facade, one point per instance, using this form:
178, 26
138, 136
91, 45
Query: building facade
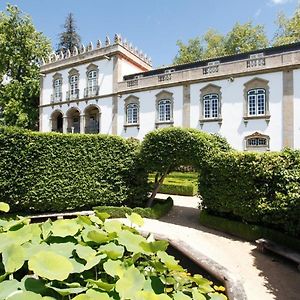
252, 99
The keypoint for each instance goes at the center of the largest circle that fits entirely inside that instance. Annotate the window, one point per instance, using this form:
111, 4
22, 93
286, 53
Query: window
73, 92
92, 87
132, 113
164, 110
257, 142
256, 102
57, 88
210, 106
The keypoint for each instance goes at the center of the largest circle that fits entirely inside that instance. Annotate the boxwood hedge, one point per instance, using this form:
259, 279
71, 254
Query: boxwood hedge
55, 172
258, 188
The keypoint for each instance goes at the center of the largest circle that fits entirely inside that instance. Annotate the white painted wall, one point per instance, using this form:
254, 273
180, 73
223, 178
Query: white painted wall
297, 109
105, 80
148, 111
233, 127
128, 68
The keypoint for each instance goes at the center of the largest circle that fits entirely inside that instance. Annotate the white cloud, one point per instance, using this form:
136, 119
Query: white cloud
257, 13
276, 2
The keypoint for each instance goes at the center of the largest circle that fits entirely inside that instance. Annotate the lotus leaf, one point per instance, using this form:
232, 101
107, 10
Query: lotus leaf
112, 250
112, 226
8, 287
50, 265
136, 219
13, 258
25, 295
65, 228
131, 241
181, 296
130, 283
4, 207
114, 268
102, 285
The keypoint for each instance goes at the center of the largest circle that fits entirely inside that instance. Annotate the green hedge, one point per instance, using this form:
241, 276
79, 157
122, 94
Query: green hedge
259, 188
246, 231
54, 172
158, 210
183, 189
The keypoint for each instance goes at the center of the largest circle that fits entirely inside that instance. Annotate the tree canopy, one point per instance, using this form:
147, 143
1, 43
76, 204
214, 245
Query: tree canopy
21, 48
288, 29
69, 38
242, 38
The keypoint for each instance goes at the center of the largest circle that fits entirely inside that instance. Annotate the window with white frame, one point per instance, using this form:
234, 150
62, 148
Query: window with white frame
211, 106
74, 86
57, 88
256, 102
132, 112
164, 110
92, 82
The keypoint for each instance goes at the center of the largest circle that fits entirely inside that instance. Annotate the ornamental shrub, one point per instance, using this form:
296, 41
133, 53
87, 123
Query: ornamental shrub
259, 188
90, 258
44, 172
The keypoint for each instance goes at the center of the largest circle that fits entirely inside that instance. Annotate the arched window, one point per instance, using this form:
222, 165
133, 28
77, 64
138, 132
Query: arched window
132, 112
211, 106
164, 110
256, 102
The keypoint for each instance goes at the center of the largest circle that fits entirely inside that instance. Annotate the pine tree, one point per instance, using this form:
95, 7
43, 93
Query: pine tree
69, 38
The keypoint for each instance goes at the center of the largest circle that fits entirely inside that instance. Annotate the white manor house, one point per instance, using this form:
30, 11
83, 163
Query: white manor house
252, 99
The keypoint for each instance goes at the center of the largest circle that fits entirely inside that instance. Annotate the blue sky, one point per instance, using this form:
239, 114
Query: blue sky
153, 26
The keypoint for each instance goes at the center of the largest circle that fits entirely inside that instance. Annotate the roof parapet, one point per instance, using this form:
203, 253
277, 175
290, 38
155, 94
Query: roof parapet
118, 40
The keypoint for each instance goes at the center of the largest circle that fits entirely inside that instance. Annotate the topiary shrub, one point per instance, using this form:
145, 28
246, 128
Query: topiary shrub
259, 188
51, 172
90, 258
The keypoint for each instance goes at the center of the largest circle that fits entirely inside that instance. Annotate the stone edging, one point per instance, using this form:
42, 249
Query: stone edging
234, 287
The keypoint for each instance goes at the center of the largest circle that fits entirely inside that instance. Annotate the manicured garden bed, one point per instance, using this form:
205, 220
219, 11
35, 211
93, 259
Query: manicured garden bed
178, 183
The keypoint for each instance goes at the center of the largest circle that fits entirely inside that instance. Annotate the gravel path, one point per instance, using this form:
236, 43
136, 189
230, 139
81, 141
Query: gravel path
264, 277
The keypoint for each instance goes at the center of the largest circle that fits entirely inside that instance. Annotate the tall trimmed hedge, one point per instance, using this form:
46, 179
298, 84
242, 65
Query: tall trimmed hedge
260, 188
55, 172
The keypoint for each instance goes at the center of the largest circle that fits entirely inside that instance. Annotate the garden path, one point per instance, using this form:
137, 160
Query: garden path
265, 277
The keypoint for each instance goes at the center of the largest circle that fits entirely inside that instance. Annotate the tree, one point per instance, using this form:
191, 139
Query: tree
69, 38
288, 29
21, 48
214, 44
245, 37
242, 38
187, 53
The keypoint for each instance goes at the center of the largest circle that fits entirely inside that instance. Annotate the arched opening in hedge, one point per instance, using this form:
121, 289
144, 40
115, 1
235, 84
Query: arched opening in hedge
164, 150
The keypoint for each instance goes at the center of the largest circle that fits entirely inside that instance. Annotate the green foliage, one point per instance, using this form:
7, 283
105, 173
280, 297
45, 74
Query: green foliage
259, 188
187, 53
21, 47
245, 37
69, 38
121, 265
242, 38
54, 172
247, 231
288, 29
158, 210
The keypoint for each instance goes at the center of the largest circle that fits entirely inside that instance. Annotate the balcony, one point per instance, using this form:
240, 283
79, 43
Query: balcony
210, 70
91, 91
256, 62
164, 77
56, 98
72, 95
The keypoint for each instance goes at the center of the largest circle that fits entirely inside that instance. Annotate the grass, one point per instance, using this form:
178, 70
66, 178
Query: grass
179, 183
